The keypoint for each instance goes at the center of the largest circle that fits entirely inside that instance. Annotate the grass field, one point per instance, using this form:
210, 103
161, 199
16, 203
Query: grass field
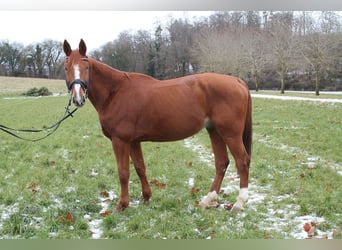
66, 186
19, 85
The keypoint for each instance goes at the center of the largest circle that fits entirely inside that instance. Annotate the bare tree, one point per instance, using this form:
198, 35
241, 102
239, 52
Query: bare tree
120, 53
317, 43
11, 56
52, 57
212, 51
257, 53
180, 33
281, 32
314, 51
34, 61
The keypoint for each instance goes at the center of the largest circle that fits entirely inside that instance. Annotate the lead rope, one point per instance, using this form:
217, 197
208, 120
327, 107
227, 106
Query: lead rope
50, 130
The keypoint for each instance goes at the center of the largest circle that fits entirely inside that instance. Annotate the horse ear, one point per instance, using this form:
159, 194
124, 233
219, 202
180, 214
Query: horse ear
67, 48
82, 48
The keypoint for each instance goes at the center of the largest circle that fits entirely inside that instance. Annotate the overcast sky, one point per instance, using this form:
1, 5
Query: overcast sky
95, 27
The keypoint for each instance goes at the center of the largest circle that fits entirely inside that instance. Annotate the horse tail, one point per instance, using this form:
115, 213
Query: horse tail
247, 132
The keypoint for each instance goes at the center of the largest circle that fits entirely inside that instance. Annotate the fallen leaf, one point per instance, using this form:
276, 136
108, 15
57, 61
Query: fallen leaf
307, 227
228, 206
104, 193
32, 185
302, 175
68, 218
310, 228
190, 164
158, 184
194, 190
104, 213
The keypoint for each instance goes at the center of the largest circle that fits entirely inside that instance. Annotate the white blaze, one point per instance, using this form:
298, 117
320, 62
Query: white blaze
77, 71
77, 91
77, 87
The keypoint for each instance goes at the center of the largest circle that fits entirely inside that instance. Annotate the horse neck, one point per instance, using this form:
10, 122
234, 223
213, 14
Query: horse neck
104, 83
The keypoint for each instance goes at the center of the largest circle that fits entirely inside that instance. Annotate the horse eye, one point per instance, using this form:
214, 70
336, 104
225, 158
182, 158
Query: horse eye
65, 68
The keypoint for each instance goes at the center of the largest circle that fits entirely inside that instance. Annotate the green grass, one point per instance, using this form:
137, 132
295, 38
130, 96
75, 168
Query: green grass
47, 187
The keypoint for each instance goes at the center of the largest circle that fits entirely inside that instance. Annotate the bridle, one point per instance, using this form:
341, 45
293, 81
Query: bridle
84, 86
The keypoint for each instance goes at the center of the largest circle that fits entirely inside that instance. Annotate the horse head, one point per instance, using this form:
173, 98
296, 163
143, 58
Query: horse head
76, 67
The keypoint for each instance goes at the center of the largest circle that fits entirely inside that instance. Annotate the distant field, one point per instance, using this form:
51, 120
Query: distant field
19, 85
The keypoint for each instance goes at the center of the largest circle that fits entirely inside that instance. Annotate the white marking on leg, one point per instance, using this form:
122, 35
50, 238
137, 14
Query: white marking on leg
209, 200
241, 200
243, 194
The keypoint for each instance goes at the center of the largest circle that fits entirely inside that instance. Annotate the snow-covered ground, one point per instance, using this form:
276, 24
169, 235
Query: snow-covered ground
277, 219
297, 98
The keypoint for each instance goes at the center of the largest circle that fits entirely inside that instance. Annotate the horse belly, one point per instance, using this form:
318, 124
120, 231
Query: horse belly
173, 127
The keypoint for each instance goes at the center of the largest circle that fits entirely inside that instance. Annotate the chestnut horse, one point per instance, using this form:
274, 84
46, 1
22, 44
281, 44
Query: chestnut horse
134, 107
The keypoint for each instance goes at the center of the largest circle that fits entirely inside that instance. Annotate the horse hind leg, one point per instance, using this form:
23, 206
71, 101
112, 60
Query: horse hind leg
221, 164
140, 168
242, 161
221, 159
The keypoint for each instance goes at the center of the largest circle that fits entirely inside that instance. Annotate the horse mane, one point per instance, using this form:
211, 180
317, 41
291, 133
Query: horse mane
123, 75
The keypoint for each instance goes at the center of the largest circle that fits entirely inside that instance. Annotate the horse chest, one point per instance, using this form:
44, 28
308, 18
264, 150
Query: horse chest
117, 123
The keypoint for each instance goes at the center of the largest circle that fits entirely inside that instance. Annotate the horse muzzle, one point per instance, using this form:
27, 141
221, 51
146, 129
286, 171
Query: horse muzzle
78, 90
78, 100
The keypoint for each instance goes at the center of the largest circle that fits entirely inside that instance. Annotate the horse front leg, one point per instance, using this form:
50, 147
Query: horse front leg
122, 151
138, 160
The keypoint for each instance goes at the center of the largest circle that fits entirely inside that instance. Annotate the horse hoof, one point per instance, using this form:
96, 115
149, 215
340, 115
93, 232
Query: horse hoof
120, 208
236, 208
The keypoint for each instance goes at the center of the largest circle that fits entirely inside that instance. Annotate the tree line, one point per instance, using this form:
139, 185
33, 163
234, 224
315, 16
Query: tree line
278, 50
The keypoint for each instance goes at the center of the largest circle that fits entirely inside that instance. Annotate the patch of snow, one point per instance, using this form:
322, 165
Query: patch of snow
311, 160
94, 172
204, 155
296, 98
70, 189
95, 224
191, 182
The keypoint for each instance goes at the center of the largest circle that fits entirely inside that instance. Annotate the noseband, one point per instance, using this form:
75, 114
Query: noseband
80, 82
